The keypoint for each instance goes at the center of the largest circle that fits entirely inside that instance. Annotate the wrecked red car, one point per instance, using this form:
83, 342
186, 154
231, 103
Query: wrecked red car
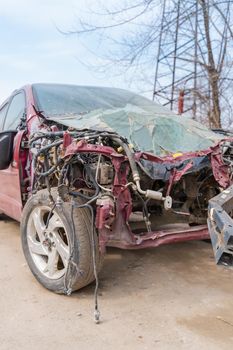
84, 168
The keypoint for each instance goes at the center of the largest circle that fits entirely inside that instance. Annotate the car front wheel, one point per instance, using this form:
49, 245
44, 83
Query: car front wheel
57, 243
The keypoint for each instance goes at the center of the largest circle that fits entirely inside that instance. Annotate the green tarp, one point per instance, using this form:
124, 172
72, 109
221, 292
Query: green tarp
149, 126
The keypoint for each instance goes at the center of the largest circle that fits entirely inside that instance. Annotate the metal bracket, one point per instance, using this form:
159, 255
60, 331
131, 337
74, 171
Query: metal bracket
220, 224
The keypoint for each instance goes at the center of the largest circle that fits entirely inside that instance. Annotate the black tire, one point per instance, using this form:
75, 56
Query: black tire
80, 271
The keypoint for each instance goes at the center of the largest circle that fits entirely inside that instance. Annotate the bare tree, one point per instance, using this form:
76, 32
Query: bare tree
215, 69
170, 46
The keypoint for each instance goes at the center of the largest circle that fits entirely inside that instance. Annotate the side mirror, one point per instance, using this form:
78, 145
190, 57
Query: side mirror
6, 148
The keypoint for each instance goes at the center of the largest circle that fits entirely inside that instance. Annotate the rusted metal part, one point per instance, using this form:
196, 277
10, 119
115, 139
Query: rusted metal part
220, 224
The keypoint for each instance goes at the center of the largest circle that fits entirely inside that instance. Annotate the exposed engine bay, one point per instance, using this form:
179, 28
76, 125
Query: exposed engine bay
139, 199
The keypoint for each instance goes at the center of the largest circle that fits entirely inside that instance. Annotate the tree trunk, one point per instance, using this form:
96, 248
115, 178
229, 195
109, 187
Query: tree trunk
215, 113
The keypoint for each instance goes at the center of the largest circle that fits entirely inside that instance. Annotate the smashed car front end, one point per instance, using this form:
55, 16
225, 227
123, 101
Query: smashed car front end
139, 199
148, 174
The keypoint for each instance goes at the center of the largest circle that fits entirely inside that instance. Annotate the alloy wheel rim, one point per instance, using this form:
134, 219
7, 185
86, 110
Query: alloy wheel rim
48, 242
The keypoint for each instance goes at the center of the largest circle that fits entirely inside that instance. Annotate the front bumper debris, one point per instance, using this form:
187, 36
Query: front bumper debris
220, 224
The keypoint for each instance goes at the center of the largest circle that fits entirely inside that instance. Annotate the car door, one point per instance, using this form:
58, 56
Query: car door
10, 190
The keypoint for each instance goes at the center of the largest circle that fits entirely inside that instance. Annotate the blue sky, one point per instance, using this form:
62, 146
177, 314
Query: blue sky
33, 50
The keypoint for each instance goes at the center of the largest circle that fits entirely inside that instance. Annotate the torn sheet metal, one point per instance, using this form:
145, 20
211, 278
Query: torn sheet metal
220, 224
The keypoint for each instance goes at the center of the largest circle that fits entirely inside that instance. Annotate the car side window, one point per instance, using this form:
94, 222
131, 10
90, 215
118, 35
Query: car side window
3, 111
15, 112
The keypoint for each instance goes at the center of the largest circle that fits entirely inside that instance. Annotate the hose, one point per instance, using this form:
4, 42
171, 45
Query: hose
130, 157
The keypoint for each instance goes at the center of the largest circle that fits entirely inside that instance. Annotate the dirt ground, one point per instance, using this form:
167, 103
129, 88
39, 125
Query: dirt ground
171, 297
